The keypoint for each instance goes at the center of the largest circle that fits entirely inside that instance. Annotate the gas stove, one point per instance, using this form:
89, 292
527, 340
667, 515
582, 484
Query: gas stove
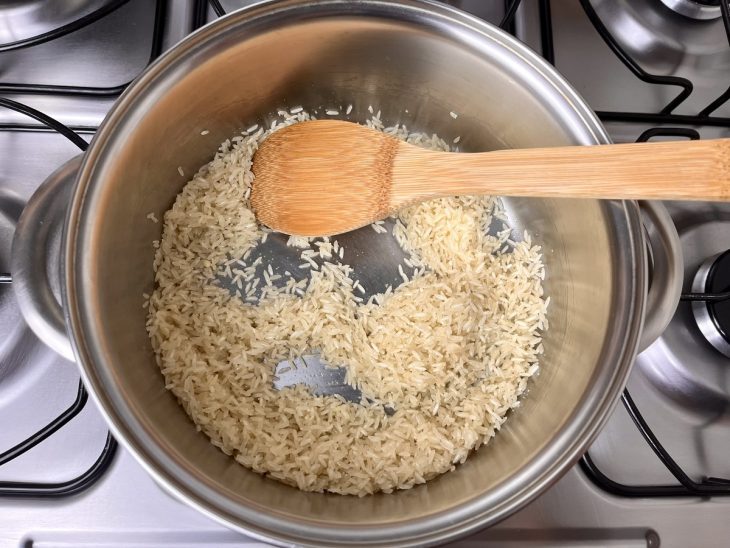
658, 472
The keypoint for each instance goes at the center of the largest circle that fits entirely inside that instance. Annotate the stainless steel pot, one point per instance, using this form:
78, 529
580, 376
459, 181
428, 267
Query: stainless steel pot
416, 61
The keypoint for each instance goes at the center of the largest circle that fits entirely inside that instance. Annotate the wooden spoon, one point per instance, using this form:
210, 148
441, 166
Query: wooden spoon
325, 177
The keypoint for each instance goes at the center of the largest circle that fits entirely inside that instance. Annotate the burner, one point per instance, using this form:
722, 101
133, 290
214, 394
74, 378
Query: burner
16, 338
681, 365
666, 43
695, 9
713, 318
28, 21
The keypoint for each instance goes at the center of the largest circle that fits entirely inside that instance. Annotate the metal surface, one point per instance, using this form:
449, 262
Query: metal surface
694, 10
663, 43
21, 20
37, 386
63, 444
35, 258
665, 284
322, 379
681, 394
127, 507
58, 77
683, 365
366, 53
376, 263
701, 310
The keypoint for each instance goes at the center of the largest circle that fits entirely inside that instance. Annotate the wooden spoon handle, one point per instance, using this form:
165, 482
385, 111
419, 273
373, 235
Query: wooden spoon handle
669, 170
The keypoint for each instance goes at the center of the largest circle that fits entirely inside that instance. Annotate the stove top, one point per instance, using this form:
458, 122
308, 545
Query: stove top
653, 69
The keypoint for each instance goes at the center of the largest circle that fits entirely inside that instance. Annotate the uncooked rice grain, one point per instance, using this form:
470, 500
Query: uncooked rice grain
450, 349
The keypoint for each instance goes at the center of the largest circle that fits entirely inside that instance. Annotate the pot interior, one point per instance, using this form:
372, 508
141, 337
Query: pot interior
415, 63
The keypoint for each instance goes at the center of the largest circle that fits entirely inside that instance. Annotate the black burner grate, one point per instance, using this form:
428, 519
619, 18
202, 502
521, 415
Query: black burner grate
666, 115
156, 49
686, 486
61, 489
97, 469
85, 480
66, 29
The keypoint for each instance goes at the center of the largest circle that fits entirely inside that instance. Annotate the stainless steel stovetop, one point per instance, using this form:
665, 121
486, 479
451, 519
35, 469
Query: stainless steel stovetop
622, 495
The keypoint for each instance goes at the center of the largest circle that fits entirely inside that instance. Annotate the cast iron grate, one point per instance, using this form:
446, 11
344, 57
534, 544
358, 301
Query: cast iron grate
97, 469
94, 472
156, 49
686, 486
85, 480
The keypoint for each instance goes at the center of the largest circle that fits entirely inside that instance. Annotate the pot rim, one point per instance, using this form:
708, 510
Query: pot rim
549, 465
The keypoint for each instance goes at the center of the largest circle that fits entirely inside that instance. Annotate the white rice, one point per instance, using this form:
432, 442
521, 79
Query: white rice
378, 228
450, 350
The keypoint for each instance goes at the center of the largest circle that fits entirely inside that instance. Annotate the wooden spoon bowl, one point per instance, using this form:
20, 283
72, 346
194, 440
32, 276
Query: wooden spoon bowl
326, 177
